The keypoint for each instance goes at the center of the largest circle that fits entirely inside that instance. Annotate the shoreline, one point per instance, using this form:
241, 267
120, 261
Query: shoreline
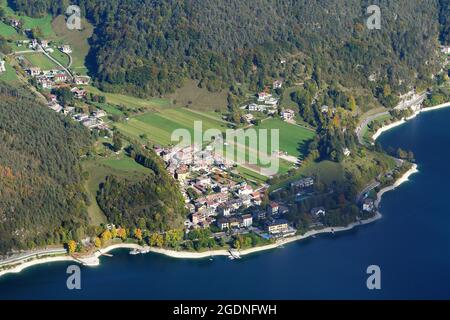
93, 260
390, 126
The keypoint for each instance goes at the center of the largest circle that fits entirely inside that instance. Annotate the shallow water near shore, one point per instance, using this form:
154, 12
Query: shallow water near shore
411, 244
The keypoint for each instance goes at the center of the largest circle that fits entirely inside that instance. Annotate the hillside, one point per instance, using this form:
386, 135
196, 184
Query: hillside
148, 47
41, 197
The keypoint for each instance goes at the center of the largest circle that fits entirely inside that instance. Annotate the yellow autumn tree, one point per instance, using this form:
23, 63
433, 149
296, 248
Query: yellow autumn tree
97, 242
156, 240
138, 234
122, 233
71, 246
113, 232
106, 236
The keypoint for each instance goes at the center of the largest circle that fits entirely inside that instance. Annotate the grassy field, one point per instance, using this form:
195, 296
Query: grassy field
327, 171
251, 175
9, 75
293, 139
60, 57
44, 23
41, 61
131, 102
198, 98
7, 31
78, 40
158, 126
120, 165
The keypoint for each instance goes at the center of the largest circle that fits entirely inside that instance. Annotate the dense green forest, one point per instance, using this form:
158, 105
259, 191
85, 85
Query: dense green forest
444, 19
153, 202
147, 47
41, 196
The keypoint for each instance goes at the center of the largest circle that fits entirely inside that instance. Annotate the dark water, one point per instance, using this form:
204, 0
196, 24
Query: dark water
411, 244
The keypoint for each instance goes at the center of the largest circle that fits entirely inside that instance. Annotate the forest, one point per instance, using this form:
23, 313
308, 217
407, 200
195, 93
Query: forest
42, 200
148, 47
153, 202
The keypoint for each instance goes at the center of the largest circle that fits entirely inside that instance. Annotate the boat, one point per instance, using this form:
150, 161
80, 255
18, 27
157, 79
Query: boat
134, 252
144, 250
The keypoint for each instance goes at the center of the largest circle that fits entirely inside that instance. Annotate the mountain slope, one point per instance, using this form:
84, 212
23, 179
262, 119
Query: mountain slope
41, 197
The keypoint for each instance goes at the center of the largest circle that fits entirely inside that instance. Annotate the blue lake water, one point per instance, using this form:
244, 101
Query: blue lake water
411, 244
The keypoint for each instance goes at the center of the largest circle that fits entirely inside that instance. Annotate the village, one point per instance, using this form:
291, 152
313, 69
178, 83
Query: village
217, 198
52, 80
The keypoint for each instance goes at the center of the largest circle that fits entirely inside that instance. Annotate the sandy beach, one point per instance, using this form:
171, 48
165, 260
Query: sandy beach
35, 262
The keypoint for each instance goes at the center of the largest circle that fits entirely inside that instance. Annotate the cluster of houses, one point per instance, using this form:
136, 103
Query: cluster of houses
214, 196
90, 121
268, 104
49, 79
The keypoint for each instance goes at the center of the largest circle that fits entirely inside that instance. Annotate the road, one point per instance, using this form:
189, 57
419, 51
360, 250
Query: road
40, 49
369, 187
401, 106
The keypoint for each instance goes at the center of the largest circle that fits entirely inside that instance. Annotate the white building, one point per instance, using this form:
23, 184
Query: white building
288, 115
2, 66
66, 49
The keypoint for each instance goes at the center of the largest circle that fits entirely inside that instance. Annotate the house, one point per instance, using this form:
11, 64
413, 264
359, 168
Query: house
234, 222
368, 205
90, 122
80, 117
271, 101
277, 226
60, 77
277, 84
259, 214
56, 107
34, 71
223, 224
445, 50
346, 152
2, 66
182, 173
44, 44
82, 80
303, 183
324, 109
245, 190
247, 220
198, 217
45, 83
99, 114
33, 44
273, 208
319, 211
256, 107
15, 23
224, 209
66, 49
78, 93
263, 96
288, 114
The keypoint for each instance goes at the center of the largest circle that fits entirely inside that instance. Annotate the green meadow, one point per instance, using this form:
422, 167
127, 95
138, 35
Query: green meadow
41, 61
293, 138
